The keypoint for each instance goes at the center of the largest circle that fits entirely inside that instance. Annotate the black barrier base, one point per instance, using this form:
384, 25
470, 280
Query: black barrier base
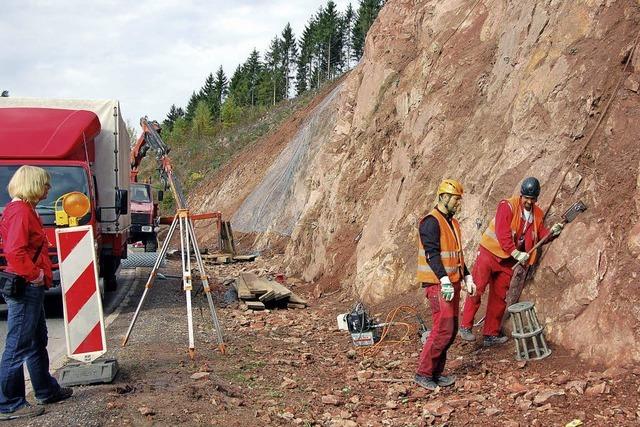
98, 371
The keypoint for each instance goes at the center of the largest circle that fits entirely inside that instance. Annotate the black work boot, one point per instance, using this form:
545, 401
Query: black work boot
446, 381
62, 394
491, 340
466, 334
27, 411
425, 382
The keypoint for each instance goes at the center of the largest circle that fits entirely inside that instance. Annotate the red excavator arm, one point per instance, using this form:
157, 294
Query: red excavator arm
139, 150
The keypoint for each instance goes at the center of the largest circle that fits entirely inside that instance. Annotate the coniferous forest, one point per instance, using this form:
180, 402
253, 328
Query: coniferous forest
331, 43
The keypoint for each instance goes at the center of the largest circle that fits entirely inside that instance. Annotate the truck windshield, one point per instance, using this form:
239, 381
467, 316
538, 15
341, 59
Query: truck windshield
64, 179
140, 193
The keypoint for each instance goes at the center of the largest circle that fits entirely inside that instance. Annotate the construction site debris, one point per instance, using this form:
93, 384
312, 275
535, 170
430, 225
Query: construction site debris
259, 293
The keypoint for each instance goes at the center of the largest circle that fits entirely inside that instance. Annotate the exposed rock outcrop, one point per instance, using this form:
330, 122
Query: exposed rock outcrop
489, 93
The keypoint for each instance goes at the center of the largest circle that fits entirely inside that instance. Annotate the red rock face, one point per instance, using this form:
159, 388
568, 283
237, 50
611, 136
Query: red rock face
488, 94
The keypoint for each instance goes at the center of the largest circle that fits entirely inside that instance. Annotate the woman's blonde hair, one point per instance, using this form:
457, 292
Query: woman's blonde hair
29, 183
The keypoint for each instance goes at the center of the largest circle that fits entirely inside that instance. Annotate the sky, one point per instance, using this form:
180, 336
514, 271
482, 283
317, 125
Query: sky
147, 54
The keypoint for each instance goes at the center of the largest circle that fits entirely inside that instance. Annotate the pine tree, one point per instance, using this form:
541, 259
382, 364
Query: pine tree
209, 96
367, 13
346, 29
305, 58
253, 66
174, 114
201, 123
221, 85
330, 40
274, 72
289, 57
191, 106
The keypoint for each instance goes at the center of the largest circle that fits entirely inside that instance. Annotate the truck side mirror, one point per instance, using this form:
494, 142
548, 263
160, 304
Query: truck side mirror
122, 202
160, 195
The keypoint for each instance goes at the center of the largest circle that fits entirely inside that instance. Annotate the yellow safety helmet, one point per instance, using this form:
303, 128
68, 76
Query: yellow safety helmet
450, 186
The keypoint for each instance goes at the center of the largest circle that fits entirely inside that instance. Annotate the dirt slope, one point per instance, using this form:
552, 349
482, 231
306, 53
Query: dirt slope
489, 93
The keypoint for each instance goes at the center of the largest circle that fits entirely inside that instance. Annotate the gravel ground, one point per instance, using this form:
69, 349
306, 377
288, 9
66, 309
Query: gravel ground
293, 367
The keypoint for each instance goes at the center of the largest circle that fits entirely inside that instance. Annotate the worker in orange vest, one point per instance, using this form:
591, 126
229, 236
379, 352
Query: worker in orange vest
514, 231
442, 272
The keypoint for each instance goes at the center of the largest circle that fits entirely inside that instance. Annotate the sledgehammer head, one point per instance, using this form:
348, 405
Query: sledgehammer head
573, 211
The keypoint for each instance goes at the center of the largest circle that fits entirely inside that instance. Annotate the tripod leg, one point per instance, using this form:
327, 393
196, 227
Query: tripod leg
152, 276
207, 288
186, 277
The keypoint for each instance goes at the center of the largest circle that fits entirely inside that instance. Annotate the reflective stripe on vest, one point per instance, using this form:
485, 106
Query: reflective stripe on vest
490, 241
450, 252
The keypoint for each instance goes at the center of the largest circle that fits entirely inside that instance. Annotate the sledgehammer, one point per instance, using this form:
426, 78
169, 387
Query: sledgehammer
571, 214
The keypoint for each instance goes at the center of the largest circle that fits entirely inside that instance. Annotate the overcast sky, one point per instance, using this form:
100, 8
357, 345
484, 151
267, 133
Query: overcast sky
148, 54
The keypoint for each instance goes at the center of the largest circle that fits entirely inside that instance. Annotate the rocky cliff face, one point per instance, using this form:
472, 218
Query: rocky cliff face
487, 93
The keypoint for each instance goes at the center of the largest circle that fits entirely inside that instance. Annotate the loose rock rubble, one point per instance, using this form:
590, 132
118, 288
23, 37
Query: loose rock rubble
294, 367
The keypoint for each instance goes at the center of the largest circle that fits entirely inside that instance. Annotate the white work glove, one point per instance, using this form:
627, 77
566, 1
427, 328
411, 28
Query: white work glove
521, 257
469, 286
446, 288
557, 228
40, 279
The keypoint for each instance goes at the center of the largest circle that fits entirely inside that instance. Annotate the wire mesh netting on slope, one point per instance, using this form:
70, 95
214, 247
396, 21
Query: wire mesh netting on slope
277, 202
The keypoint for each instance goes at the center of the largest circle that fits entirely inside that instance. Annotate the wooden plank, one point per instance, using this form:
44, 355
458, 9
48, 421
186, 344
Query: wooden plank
243, 289
255, 305
295, 299
294, 305
268, 296
244, 258
255, 285
281, 291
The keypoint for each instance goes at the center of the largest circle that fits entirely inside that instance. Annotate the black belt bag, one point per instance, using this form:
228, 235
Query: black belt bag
12, 285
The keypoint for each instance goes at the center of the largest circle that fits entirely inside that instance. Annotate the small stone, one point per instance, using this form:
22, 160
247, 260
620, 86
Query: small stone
351, 354
523, 404
561, 379
632, 84
200, 375
146, 411
363, 376
545, 395
438, 408
545, 407
596, 389
114, 405
577, 385
391, 404
614, 372
396, 391
287, 416
458, 403
338, 422
288, 383
516, 387
521, 364
330, 399
492, 411
354, 399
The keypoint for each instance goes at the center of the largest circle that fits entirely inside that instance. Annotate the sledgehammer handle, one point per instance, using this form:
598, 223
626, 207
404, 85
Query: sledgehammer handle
536, 246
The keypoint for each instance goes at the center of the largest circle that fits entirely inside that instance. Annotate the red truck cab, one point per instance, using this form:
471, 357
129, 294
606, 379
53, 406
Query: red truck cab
81, 154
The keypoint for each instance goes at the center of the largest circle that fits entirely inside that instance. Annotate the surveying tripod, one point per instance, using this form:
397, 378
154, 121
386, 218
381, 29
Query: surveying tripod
188, 242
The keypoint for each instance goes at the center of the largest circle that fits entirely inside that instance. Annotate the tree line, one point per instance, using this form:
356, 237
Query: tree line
331, 43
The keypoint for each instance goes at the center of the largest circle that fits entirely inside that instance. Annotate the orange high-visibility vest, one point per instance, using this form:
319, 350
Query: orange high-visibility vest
490, 241
450, 252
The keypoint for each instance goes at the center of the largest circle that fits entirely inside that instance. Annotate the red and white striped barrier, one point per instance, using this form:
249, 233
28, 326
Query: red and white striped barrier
83, 318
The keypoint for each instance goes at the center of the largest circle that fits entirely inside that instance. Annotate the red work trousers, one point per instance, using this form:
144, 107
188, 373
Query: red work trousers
445, 326
489, 270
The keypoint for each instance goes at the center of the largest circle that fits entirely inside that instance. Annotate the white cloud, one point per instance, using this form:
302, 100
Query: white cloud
148, 54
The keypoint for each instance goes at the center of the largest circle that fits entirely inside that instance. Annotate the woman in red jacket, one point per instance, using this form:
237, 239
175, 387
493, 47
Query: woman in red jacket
25, 248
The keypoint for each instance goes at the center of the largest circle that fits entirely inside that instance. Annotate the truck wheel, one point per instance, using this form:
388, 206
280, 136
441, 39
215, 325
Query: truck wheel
151, 245
109, 267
